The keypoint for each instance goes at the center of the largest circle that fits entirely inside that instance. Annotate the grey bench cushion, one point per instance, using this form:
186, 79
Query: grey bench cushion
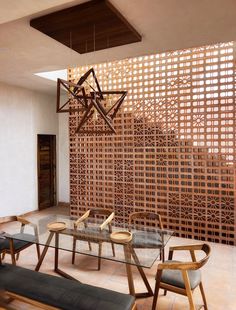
60, 292
174, 277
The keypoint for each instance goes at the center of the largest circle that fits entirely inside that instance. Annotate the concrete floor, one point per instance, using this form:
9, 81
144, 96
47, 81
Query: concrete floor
219, 275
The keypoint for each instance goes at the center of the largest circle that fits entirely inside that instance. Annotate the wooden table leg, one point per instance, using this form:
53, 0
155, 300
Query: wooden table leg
128, 269
142, 273
56, 251
44, 251
56, 257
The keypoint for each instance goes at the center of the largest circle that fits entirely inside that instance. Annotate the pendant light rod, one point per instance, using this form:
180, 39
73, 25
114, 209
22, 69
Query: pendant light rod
94, 39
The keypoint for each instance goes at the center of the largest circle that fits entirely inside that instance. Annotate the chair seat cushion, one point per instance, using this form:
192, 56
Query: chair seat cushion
146, 239
175, 278
60, 292
17, 241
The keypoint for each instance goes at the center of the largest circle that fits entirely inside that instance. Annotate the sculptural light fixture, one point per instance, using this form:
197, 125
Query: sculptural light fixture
89, 102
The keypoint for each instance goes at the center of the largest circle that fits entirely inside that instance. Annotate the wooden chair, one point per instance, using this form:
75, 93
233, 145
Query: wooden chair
182, 277
148, 219
91, 233
15, 245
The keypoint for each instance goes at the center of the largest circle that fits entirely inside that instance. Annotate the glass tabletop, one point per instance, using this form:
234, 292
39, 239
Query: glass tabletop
143, 249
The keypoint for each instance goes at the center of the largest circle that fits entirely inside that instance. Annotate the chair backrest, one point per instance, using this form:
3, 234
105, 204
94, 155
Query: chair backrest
105, 217
19, 219
194, 264
7, 219
139, 219
207, 250
104, 214
99, 212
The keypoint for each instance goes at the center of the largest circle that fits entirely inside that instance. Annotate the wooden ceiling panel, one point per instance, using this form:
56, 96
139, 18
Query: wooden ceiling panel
88, 27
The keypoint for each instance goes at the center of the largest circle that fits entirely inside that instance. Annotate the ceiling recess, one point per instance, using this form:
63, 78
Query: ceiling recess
88, 27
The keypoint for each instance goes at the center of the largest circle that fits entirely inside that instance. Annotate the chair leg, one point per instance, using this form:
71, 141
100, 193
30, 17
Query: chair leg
13, 259
17, 255
163, 259
203, 296
99, 254
90, 247
73, 250
113, 249
38, 250
157, 287
188, 289
163, 255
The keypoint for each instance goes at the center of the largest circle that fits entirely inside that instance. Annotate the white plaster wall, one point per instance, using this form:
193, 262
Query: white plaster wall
23, 115
63, 158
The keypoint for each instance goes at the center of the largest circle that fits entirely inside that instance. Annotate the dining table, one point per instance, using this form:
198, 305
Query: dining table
58, 231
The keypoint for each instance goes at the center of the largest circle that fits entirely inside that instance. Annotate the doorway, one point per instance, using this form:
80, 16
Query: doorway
46, 171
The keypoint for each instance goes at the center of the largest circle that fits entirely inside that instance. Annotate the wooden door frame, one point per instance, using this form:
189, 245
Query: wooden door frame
53, 162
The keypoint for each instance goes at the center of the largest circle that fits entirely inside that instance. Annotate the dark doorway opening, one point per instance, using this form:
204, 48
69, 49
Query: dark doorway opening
46, 171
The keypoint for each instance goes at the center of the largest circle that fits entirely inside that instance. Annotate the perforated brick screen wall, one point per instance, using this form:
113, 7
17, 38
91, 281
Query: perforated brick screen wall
174, 151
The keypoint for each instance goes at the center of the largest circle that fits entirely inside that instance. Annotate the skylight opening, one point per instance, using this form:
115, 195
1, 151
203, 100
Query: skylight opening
53, 75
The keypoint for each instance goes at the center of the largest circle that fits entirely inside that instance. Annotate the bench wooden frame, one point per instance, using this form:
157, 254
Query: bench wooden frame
39, 304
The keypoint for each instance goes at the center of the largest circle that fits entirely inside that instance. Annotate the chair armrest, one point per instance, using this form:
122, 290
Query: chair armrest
107, 221
22, 220
178, 265
82, 219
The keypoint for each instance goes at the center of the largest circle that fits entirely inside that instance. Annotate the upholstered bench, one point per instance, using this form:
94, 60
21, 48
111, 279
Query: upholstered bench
51, 292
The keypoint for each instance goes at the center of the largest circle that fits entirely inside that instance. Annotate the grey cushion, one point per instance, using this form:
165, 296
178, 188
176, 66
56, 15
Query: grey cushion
18, 244
25, 237
146, 239
175, 278
60, 292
